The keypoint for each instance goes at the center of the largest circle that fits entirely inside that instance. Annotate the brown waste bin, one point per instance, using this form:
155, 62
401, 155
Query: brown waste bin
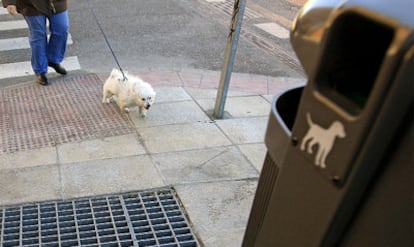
342, 174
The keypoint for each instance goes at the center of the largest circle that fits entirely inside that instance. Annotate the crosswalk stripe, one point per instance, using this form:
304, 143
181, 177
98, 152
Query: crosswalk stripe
11, 25
10, 70
3, 11
18, 69
20, 43
274, 29
297, 2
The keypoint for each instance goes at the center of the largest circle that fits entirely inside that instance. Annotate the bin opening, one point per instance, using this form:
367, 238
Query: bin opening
354, 51
287, 106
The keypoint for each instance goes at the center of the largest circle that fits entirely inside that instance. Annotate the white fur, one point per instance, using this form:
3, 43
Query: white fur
325, 138
130, 92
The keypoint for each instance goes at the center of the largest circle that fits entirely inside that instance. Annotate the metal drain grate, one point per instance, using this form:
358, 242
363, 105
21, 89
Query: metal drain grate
131, 219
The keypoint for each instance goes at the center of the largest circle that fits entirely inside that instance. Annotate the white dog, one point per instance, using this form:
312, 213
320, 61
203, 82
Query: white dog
130, 92
325, 138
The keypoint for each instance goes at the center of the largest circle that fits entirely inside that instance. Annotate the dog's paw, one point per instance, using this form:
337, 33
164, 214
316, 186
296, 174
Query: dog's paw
112, 100
126, 109
142, 111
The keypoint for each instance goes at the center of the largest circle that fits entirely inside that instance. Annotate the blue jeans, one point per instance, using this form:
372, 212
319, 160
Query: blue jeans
46, 51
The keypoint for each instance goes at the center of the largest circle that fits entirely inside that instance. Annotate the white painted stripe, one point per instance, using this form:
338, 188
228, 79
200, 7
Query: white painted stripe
11, 25
71, 63
3, 11
274, 29
20, 43
297, 2
11, 70
14, 44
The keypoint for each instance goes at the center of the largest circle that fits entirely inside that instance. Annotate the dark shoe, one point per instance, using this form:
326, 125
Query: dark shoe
42, 79
58, 68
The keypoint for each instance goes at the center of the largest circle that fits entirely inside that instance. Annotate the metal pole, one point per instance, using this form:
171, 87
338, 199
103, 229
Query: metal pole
232, 42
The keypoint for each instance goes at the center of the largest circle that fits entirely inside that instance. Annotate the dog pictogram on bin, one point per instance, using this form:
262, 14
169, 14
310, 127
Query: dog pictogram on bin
324, 138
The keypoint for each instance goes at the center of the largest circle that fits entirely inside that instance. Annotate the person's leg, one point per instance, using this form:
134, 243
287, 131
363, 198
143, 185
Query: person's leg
38, 43
59, 29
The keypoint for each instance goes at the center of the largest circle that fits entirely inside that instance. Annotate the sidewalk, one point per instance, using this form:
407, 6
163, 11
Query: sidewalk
61, 142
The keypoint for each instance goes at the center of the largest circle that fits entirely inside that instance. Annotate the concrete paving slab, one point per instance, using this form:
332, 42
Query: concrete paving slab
191, 78
198, 93
110, 147
219, 210
109, 176
161, 78
244, 130
28, 158
269, 98
180, 137
255, 153
210, 79
278, 85
170, 94
249, 83
205, 165
29, 185
228, 238
170, 113
247, 106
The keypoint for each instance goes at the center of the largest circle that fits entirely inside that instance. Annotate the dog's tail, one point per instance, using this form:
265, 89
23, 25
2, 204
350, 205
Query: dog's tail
117, 74
309, 119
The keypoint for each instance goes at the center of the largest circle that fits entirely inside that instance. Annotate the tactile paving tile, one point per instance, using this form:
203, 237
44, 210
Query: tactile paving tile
70, 109
152, 218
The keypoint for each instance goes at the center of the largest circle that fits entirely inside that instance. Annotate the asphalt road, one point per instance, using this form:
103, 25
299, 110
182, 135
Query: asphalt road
159, 35
172, 35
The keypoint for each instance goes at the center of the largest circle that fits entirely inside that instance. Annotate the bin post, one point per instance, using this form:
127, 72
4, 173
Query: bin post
231, 47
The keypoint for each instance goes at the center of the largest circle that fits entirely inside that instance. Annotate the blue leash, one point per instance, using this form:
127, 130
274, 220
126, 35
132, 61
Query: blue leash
106, 39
